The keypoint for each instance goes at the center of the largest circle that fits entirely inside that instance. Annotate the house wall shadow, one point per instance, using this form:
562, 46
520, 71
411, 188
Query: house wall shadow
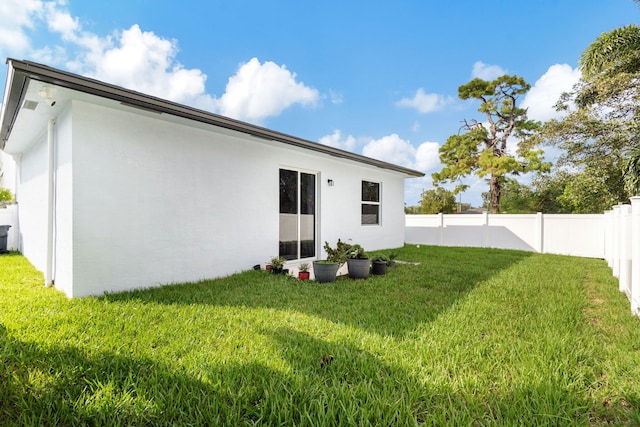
111, 389
394, 304
66, 385
491, 236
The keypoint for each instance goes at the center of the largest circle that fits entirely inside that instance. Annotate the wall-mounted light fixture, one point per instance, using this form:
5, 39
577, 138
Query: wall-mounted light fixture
330, 182
47, 93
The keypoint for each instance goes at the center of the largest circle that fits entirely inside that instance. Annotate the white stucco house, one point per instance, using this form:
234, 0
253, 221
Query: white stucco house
119, 190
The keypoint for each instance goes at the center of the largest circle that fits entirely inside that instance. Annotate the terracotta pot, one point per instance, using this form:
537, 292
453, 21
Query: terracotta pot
303, 275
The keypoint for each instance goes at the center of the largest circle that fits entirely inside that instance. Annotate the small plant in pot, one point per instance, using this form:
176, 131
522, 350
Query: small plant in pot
358, 262
303, 271
277, 264
380, 265
326, 270
392, 256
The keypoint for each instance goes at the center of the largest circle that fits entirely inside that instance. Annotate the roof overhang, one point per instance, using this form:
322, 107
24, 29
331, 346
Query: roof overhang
21, 73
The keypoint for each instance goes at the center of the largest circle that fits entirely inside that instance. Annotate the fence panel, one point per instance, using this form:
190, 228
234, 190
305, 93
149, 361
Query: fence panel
578, 235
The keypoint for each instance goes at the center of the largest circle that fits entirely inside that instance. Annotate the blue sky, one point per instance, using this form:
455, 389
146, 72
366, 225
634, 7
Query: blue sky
378, 78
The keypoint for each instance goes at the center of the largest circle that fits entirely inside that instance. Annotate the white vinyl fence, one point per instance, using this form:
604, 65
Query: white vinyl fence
622, 249
577, 235
613, 236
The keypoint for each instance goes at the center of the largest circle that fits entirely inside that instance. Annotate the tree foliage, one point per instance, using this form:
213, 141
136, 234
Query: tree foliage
631, 172
613, 53
560, 192
438, 200
600, 130
516, 198
481, 148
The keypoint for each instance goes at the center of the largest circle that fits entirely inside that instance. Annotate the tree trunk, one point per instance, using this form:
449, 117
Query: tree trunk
495, 188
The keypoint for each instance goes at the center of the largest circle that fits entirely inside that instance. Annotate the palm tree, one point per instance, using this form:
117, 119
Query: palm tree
617, 51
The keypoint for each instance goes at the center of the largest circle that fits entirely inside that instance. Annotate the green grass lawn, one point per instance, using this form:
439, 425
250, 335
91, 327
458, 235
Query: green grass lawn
468, 337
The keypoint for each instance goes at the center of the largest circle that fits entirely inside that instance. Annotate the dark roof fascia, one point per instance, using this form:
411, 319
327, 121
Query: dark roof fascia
23, 70
14, 95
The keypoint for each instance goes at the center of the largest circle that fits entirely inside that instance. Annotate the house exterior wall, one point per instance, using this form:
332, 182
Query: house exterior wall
156, 202
32, 193
32, 199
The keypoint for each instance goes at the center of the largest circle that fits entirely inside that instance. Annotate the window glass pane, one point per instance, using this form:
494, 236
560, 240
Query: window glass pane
288, 191
307, 215
370, 191
288, 214
307, 193
370, 214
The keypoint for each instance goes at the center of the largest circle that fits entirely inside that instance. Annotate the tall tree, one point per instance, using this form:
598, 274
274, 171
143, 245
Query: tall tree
601, 126
482, 147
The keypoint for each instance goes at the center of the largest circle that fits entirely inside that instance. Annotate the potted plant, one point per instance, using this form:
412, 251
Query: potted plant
380, 265
277, 264
303, 271
357, 261
326, 270
392, 256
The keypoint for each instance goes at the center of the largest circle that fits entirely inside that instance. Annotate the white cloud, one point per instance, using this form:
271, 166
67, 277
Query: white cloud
486, 71
396, 150
141, 61
16, 18
546, 91
338, 141
425, 102
392, 149
335, 97
60, 21
146, 62
427, 156
258, 91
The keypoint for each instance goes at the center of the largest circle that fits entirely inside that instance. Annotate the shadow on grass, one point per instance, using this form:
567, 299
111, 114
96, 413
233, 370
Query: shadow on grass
61, 385
392, 304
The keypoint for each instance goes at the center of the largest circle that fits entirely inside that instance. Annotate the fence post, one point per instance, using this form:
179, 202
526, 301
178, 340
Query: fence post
625, 250
616, 242
441, 229
539, 232
608, 237
635, 255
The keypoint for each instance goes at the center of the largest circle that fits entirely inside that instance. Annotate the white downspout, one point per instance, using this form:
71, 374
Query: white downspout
48, 274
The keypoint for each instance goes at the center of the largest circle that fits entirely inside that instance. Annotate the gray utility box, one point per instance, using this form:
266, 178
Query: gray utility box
4, 233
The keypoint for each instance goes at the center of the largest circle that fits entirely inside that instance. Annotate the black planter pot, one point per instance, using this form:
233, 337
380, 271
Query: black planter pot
379, 268
358, 268
325, 273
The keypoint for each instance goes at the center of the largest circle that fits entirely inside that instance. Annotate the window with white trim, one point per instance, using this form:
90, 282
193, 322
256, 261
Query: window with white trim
297, 214
370, 203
